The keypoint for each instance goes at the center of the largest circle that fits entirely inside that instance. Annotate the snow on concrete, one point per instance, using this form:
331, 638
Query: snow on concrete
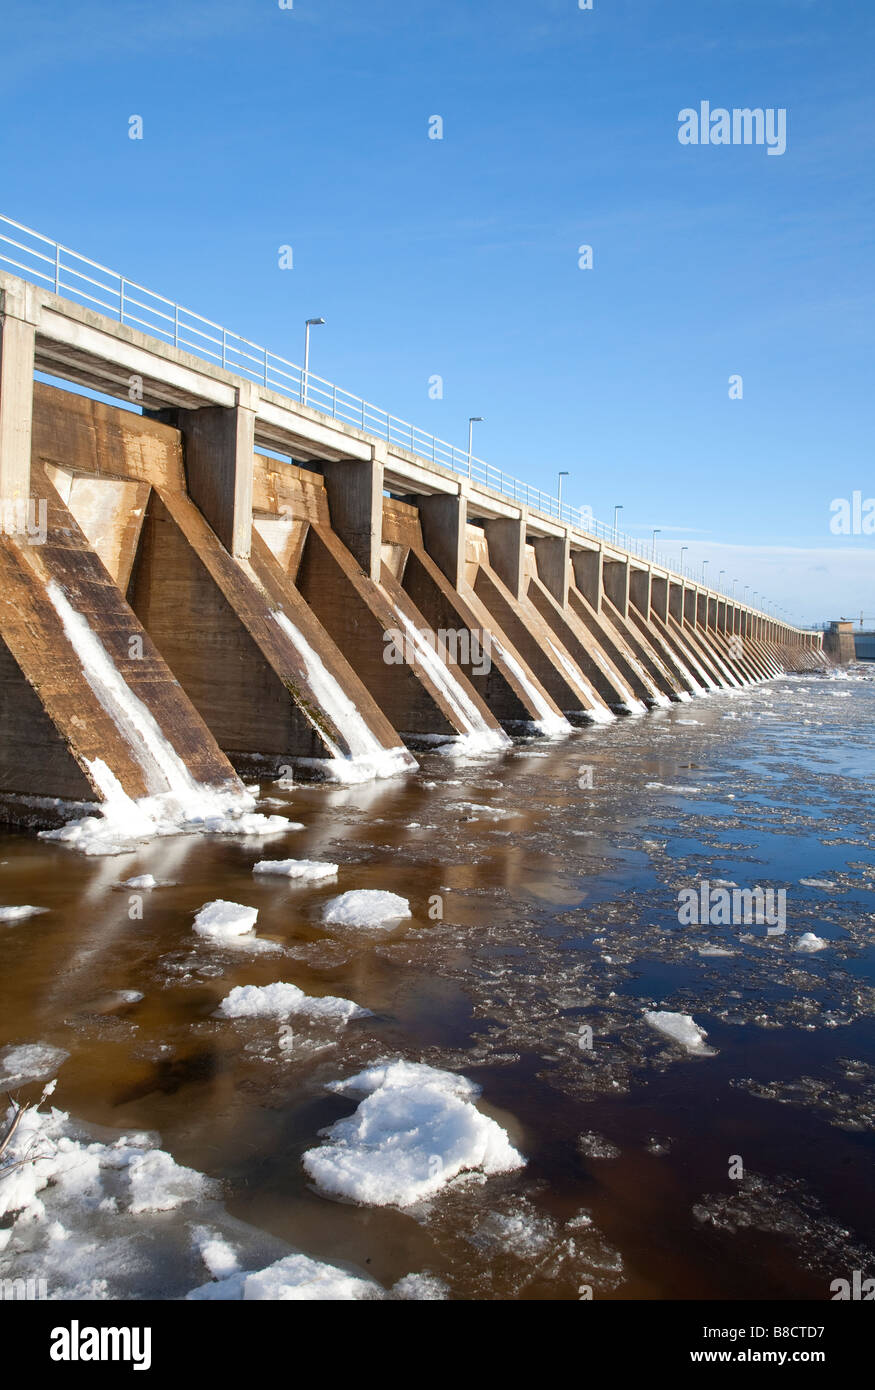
296, 868
597, 712
415, 1130
367, 758
282, 1000
367, 907
478, 734
175, 801
681, 1029
547, 721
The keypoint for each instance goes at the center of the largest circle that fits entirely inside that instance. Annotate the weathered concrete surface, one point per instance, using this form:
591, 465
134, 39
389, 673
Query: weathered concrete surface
56, 754
838, 643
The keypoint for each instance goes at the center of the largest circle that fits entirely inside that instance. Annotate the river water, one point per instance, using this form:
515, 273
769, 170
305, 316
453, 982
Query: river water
543, 883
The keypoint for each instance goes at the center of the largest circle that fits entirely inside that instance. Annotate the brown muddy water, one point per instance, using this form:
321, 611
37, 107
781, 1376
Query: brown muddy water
541, 905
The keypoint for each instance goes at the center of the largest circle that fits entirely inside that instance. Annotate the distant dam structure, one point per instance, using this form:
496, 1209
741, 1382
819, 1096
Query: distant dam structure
254, 573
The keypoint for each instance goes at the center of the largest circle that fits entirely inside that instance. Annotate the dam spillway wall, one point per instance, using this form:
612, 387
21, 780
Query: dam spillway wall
184, 607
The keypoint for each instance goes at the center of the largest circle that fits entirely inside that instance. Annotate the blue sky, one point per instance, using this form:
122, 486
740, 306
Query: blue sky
309, 127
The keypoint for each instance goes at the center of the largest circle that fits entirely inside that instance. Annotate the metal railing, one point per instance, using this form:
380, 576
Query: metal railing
45, 262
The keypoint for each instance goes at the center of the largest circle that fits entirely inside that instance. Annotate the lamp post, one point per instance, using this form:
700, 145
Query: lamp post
563, 474
657, 531
472, 421
683, 548
704, 564
617, 511
307, 326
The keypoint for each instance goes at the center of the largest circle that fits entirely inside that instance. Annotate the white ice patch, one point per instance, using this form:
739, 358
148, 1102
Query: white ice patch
681, 1029
19, 914
595, 709
367, 907
175, 801
282, 1000
296, 868
141, 881
29, 1062
549, 723
478, 733
367, 758
296, 1278
231, 924
809, 943
416, 1129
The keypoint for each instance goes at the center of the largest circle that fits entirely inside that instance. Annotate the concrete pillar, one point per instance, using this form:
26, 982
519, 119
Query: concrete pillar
17, 341
691, 614
722, 616
701, 609
676, 602
553, 554
506, 538
443, 519
639, 592
615, 577
659, 603
712, 612
587, 566
219, 445
355, 501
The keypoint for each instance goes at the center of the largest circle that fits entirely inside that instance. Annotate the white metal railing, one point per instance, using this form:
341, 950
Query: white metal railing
43, 261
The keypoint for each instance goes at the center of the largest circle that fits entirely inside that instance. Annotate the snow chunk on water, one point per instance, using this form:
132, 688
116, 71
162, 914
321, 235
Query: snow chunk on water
141, 881
817, 882
281, 1000
292, 1279
810, 943
681, 1029
416, 1129
18, 914
29, 1062
296, 868
159, 1183
221, 920
367, 907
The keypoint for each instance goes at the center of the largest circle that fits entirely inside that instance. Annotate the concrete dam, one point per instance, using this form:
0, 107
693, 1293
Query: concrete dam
237, 579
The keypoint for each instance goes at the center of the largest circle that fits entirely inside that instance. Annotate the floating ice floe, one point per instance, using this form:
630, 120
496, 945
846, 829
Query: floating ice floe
809, 943
29, 1062
282, 1000
19, 914
681, 1029
88, 1216
415, 1130
817, 882
296, 868
141, 881
231, 924
367, 907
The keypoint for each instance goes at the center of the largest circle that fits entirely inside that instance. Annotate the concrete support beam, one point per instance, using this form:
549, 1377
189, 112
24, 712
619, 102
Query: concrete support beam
17, 342
639, 592
553, 554
691, 614
355, 501
219, 444
616, 581
587, 566
659, 597
676, 602
442, 520
506, 538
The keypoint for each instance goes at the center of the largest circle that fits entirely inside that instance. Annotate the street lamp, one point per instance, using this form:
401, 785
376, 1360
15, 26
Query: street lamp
734, 582
704, 563
617, 511
472, 421
563, 474
657, 532
307, 326
683, 548
719, 577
